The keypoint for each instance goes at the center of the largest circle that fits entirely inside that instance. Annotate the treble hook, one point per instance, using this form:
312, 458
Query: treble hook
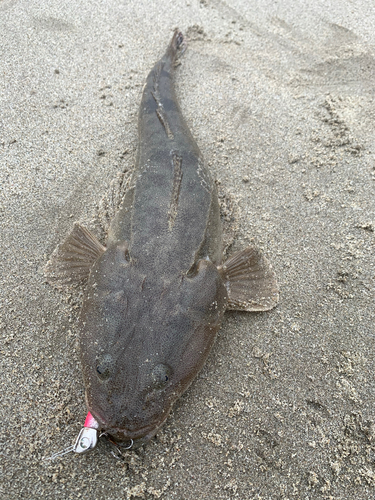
117, 446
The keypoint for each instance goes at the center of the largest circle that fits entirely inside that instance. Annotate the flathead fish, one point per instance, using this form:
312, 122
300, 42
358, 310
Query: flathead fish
156, 293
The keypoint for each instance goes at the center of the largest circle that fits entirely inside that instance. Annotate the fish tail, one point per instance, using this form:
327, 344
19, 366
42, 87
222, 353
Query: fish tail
159, 102
176, 46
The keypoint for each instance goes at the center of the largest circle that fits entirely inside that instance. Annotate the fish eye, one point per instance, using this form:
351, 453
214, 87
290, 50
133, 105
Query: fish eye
160, 375
104, 367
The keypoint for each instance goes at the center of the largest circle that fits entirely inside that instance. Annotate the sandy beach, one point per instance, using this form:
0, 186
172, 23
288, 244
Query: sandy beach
280, 99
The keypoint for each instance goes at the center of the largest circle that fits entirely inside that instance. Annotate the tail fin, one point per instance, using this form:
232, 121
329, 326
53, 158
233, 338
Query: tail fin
177, 45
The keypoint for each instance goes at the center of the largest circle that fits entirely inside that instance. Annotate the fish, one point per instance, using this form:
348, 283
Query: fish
156, 293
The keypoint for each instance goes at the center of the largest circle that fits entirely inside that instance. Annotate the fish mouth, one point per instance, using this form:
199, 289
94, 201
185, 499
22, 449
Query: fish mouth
128, 439
134, 439
122, 438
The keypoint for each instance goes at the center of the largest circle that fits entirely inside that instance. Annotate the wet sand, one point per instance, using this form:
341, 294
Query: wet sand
280, 98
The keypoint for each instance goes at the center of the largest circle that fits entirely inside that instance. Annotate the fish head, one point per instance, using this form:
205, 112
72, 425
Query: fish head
143, 340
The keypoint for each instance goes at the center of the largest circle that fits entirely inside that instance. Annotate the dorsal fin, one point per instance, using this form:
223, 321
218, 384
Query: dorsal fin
72, 260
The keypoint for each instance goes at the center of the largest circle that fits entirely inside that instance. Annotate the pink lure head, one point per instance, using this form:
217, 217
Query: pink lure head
91, 422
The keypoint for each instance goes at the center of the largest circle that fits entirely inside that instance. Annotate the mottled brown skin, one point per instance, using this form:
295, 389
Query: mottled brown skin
155, 298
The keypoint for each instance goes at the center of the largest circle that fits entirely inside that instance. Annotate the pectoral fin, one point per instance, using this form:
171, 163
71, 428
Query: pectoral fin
72, 260
250, 281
